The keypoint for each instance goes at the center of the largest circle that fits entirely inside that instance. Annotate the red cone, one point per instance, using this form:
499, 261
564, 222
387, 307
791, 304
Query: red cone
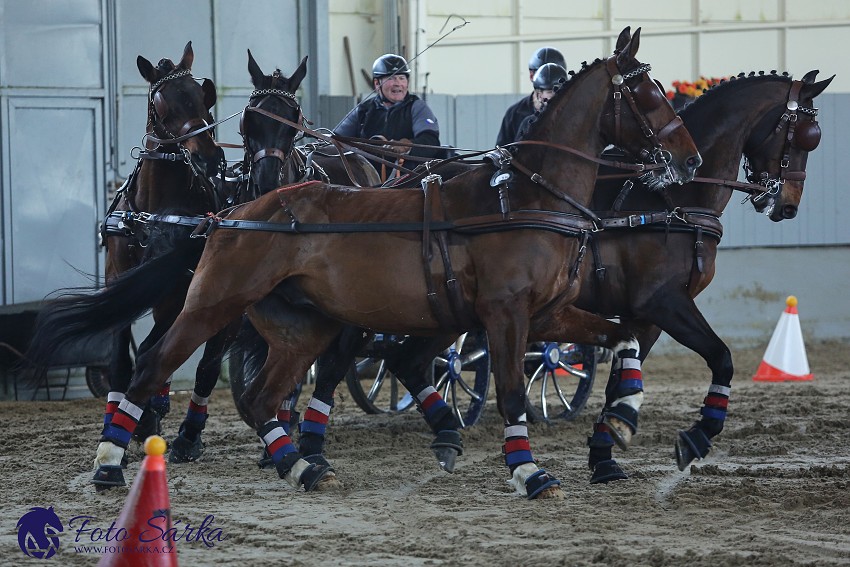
785, 358
146, 511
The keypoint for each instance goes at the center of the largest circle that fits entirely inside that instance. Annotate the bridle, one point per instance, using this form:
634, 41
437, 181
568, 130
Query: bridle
263, 95
645, 97
800, 135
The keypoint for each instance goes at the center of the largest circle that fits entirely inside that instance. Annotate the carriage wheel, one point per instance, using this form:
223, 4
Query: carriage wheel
97, 379
462, 376
560, 379
373, 387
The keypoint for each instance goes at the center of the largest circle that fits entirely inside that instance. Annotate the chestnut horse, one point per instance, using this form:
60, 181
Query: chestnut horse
648, 276
297, 264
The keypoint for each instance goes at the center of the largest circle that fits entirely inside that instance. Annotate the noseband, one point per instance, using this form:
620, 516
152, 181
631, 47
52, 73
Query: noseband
806, 137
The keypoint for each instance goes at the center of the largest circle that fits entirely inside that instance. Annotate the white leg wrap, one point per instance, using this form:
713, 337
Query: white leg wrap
634, 400
293, 477
108, 454
521, 474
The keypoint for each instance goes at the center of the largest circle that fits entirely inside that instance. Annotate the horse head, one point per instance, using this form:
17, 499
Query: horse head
777, 151
179, 111
641, 121
264, 136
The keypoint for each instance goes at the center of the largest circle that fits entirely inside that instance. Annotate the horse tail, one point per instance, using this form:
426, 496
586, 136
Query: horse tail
247, 355
78, 318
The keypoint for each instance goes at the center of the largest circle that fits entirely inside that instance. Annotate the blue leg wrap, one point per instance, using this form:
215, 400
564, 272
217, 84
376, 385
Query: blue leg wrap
538, 482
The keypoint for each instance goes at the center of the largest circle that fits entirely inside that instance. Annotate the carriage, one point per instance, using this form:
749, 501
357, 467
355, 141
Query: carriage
691, 225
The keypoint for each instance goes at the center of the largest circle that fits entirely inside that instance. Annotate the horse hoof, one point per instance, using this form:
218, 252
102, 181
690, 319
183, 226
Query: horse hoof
313, 475
108, 476
543, 485
551, 493
265, 461
184, 450
607, 471
446, 456
447, 447
691, 444
328, 483
621, 432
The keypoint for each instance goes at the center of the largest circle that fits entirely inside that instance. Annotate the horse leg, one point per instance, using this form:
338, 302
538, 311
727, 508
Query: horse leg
153, 367
188, 446
411, 362
678, 316
296, 336
332, 366
120, 372
508, 336
600, 460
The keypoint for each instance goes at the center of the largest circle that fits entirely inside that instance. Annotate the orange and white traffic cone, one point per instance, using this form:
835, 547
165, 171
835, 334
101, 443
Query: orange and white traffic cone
785, 359
146, 511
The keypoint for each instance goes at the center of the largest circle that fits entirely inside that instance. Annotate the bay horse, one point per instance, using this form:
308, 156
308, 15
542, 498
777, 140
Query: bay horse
649, 275
172, 174
297, 264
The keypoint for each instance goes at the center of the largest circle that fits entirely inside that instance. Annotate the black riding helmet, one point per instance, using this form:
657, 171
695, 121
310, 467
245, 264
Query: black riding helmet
549, 75
390, 64
546, 55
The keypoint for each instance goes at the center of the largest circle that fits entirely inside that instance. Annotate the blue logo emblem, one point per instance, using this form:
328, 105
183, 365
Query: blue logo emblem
38, 533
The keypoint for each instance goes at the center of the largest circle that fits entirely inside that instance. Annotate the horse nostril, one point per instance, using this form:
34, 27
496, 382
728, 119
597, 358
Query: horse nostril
694, 161
789, 211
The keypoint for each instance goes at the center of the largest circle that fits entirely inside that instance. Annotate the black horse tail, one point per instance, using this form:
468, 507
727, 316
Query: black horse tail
246, 357
81, 317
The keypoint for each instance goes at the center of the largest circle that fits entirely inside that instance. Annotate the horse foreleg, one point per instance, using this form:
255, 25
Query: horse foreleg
508, 336
411, 362
679, 317
120, 370
188, 446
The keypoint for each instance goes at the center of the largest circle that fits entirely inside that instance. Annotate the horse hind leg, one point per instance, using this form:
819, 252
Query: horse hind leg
624, 394
296, 337
411, 362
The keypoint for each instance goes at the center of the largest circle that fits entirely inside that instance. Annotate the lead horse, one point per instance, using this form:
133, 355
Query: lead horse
649, 274
172, 174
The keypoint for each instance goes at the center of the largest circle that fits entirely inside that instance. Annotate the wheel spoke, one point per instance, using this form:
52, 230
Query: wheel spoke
560, 393
569, 369
440, 382
543, 403
456, 408
465, 387
379, 381
473, 357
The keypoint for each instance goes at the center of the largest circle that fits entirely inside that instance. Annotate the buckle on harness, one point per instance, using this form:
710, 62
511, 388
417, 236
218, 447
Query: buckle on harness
636, 220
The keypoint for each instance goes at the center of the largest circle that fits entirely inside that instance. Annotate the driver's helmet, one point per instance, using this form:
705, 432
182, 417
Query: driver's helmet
546, 55
390, 64
549, 75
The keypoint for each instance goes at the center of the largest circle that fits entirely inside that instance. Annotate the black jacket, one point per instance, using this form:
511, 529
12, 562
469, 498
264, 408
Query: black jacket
410, 119
514, 116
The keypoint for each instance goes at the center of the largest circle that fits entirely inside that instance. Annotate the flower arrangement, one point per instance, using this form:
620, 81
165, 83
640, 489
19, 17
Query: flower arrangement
693, 89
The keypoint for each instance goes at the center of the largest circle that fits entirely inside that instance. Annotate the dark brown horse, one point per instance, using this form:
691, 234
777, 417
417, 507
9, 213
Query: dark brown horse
649, 276
172, 174
299, 269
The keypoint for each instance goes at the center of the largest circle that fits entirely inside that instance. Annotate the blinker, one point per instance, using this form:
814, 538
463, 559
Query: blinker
806, 136
649, 96
160, 105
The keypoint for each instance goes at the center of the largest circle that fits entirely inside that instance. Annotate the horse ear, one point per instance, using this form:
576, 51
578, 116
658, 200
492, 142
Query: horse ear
255, 71
815, 89
209, 93
298, 75
147, 69
629, 50
810, 77
624, 38
188, 57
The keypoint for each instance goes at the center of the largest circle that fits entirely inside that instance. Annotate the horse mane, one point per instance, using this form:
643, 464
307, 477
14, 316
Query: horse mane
559, 92
726, 87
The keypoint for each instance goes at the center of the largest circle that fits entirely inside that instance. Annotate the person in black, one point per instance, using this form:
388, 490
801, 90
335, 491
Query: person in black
516, 113
394, 114
545, 80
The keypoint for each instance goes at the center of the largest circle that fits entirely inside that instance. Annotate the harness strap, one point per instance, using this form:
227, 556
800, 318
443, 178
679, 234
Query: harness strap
698, 266
433, 209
